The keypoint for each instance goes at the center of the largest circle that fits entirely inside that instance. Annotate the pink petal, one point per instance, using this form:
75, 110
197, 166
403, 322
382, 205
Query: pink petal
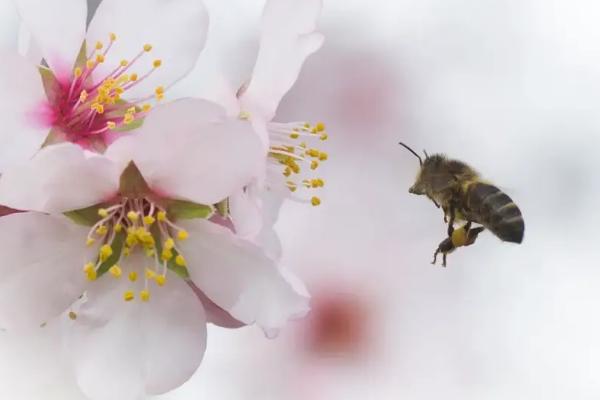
42, 257
59, 178
58, 27
288, 38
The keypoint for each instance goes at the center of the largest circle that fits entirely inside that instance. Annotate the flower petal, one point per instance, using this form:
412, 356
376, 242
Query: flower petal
188, 149
245, 211
22, 98
288, 38
59, 178
238, 277
123, 350
58, 27
215, 314
42, 257
175, 28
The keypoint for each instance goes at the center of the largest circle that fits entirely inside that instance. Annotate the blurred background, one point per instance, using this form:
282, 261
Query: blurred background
511, 87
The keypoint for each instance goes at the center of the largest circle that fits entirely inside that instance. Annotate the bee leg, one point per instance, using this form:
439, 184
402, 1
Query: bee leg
444, 260
444, 247
437, 251
451, 221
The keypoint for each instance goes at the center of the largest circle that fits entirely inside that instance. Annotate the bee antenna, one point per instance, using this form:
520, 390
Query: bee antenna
412, 151
426, 155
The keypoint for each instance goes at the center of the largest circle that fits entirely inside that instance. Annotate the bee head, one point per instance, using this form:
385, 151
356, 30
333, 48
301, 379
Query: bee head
419, 187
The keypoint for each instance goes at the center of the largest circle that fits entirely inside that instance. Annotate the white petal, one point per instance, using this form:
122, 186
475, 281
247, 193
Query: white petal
175, 28
27, 46
188, 149
288, 38
238, 277
42, 258
215, 314
22, 100
246, 214
58, 27
59, 178
123, 350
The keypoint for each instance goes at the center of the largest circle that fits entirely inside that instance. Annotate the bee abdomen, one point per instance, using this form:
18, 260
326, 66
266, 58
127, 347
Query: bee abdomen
496, 211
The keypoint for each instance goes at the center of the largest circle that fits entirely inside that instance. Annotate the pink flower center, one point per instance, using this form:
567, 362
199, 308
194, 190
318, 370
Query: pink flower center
89, 108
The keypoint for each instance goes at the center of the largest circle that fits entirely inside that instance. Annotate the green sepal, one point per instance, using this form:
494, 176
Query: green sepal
223, 208
49, 82
183, 209
85, 216
117, 248
182, 272
136, 123
132, 183
81, 59
55, 136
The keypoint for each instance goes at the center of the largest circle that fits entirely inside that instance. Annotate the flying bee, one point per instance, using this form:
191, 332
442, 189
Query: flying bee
464, 196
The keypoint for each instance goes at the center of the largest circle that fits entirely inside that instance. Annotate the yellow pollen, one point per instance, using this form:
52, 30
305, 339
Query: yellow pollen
103, 212
72, 315
128, 295
133, 77
157, 63
146, 107
320, 127
314, 164
133, 216
118, 227
89, 64
111, 125
105, 252
101, 230
149, 219
99, 58
147, 47
77, 72
128, 119
150, 274
323, 156
90, 271
169, 244
315, 201
166, 254
179, 260
294, 135
145, 295
119, 90
160, 280
112, 37
133, 276
182, 234
90, 241
124, 63
99, 45
115, 271
162, 216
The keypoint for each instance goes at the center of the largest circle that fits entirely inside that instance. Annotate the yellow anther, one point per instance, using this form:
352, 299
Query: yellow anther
77, 72
150, 252
103, 212
147, 47
150, 274
169, 244
320, 127
166, 254
99, 58
324, 136
149, 219
145, 295
99, 45
128, 295
179, 260
115, 271
182, 234
314, 164
315, 201
156, 63
294, 135
312, 152
83, 96
161, 216
323, 156
146, 107
111, 125
306, 125
72, 315
102, 230
287, 171
133, 276
159, 90
160, 280
244, 115
133, 216
90, 271
89, 64
112, 37
105, 252
124, 63
126, 251
118, 227
119, 90
128, 119
90, 241
133, 77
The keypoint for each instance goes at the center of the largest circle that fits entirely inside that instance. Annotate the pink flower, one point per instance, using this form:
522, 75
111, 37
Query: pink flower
93, 84
133, 234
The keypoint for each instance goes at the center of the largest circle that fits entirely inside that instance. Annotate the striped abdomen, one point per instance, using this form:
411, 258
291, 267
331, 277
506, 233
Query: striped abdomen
492, 208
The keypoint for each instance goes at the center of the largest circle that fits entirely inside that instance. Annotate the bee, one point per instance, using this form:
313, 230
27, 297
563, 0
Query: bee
464, 196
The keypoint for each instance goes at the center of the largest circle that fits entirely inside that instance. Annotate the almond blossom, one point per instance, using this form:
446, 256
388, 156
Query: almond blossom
110, 242
288, 37
95, 83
